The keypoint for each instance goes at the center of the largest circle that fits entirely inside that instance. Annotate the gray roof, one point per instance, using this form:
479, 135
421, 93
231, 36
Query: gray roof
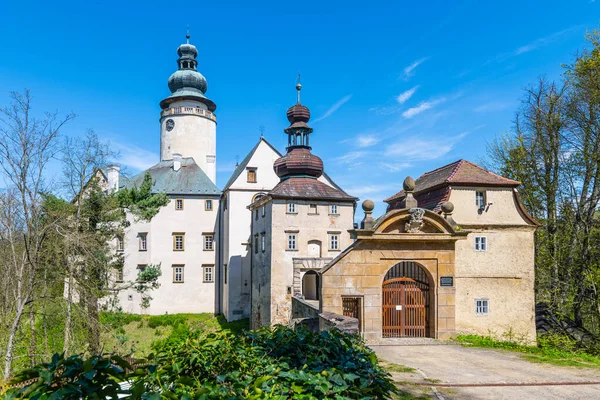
242, 166
190, 179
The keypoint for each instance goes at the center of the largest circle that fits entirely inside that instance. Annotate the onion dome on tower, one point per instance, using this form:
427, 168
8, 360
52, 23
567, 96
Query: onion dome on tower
298, 161
187, 83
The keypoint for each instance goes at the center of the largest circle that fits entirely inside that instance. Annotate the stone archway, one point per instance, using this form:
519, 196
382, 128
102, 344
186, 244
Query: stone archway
407, 293
310, 285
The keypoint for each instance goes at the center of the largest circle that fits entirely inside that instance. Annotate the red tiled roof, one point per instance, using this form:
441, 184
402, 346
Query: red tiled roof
307, 188
459, 173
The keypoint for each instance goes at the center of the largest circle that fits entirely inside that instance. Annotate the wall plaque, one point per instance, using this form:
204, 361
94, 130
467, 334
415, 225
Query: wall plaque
446, 281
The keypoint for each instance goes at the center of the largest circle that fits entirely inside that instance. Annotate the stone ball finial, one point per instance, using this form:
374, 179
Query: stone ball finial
368, 206
409, 184
447, 207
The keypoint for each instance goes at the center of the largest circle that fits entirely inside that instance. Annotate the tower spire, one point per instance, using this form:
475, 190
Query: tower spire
187, 35
298, 87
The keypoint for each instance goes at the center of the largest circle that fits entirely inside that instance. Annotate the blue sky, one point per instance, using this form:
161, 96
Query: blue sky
395, 88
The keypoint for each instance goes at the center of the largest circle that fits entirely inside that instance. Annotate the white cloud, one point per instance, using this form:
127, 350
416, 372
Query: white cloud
350, 157
404, 96
409, 71
334, 108
423, 106
394, 167
367, 140
492, 106
385, 110
415, 149
134, 156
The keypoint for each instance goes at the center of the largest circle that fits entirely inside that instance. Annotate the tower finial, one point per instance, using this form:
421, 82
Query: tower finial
187, 35
298, 87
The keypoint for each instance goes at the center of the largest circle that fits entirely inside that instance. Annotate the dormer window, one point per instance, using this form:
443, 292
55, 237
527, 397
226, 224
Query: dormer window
480, 199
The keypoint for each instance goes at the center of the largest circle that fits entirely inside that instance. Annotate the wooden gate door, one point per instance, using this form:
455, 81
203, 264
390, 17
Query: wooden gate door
351, 308
405, 308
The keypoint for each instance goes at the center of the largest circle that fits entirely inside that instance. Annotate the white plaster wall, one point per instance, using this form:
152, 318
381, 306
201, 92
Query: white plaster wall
263, 159
503, 209
193, 295
193, 136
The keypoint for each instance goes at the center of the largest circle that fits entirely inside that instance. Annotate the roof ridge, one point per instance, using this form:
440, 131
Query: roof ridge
456, 168
490, 172
442, 167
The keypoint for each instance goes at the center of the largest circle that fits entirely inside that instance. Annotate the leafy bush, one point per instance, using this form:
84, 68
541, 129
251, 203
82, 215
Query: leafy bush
277, 362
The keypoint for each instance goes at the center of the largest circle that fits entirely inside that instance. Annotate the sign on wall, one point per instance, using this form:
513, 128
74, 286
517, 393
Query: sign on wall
446, 281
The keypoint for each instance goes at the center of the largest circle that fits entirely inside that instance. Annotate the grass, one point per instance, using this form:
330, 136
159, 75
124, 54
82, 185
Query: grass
391, 367
134, 334
549, 350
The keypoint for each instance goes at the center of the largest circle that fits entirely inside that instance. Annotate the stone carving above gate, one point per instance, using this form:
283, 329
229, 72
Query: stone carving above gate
415, 223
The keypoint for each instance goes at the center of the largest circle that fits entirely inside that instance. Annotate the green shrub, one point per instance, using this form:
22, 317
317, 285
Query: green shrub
278, 363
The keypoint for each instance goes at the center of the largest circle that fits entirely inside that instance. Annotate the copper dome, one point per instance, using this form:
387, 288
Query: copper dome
299, 161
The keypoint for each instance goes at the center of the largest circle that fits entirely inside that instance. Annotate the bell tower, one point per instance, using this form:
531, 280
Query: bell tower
188, 125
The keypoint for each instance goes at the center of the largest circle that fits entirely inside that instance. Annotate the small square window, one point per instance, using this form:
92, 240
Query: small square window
141, 267
334, 242
333, 209
291, 208
143, 241
312, 209
208, 205
480, 199
179, 204
480, 243
263, 242
251, 174
482, 306
178, 241
208, 273
177, 273
291, 241
209, 241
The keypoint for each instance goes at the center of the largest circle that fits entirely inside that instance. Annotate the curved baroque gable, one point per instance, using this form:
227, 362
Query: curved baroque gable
414, 220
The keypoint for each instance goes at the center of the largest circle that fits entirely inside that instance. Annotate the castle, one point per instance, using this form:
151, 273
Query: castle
453, 253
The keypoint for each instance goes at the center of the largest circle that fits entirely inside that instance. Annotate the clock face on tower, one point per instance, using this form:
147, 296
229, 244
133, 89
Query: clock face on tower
170, 125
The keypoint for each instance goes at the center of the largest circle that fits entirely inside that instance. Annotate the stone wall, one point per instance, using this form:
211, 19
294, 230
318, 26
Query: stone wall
328, 321
303, 309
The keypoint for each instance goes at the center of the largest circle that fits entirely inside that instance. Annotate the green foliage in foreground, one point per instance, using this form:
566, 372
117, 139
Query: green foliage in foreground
552, 349
268, 363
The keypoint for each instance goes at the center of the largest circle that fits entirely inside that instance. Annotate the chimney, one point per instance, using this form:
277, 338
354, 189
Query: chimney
368, 222
176, 161
112, 172
409, 200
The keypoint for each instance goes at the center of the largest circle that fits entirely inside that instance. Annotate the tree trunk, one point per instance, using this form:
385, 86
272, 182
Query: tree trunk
93, 328
68, 317
8, 357
32, 339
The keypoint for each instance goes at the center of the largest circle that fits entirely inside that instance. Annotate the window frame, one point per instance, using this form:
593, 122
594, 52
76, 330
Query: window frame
249, 171
143, 241
337, 236
120, 244
311, 207
119, 276
206, 203
205, 269
332, 211
291, 208
264, 212
205, 236
480, 245
263, 241
484, 307
175, 236
289, 240
175, 267
256, 243
480, 194
177, 200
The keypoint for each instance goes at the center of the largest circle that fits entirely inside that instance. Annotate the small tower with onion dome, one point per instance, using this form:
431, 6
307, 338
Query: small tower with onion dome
188, 125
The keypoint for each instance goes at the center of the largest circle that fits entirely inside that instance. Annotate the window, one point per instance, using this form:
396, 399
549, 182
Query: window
208, 273
480, 199
255, 244
263, 211
482, 306
225, 273
291, 208
333, 210
480, 243
179, 204
256, 214
209, 241
141, 267
208, 205
119, 275
178, 241
143, 241
334, 241
312, 209
262, 242
251, 174
177, 273
291, 241
120, 244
